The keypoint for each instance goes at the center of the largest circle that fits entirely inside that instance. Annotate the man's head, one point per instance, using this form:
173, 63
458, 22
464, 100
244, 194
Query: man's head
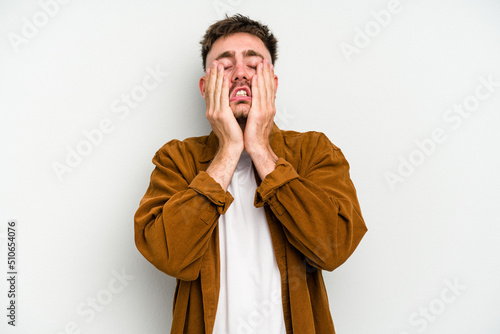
238, 24
239, 44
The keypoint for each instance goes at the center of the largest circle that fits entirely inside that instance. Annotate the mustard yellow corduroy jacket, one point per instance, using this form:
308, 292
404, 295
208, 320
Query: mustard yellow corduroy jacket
311, 207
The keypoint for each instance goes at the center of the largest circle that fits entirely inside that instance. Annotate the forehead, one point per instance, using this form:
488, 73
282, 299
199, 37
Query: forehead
237, 43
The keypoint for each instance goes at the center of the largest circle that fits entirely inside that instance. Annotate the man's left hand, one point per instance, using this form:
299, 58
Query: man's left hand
260, 119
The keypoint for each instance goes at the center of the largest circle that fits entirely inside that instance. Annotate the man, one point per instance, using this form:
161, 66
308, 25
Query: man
247, 217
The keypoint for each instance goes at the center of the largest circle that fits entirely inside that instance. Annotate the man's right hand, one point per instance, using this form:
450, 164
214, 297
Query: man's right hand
224, 125
219, 114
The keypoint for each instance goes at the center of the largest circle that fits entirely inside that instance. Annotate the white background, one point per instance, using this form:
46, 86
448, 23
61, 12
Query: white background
436, 226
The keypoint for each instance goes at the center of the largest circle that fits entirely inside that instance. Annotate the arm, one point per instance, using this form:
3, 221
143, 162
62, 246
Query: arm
319, 209
260, 119
176, 219
224, 125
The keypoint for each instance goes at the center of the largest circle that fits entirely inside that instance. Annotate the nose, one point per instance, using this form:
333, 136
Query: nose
240, 73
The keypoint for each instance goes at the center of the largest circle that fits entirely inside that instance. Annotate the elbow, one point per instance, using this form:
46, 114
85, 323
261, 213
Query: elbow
184, 274
336, 256
175, 269
334, 261
343, 253
346, 243
169, 266
330, 260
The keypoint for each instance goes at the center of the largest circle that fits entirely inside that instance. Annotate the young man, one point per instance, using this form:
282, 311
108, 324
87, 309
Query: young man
247, 217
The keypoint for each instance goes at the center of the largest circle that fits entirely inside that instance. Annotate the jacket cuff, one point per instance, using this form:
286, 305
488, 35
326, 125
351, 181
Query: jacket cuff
205, 185
281, 175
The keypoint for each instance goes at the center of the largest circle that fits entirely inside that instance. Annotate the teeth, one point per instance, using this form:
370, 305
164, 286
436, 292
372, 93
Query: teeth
241, 93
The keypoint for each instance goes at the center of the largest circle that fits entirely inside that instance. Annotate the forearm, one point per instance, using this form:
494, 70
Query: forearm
173, 229
264, 160
223, 165
326, 230
175, 239
320, 213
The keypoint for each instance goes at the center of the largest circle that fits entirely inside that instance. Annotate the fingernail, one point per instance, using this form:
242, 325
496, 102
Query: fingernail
220, 67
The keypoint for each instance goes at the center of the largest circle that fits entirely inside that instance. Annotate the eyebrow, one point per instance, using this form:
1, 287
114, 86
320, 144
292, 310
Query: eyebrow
246, 53
251, 53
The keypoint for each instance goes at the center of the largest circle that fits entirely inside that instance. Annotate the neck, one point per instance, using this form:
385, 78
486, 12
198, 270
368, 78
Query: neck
242, 121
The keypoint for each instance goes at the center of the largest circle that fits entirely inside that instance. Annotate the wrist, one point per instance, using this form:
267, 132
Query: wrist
264, 160
224, 163
261, 151
230, 149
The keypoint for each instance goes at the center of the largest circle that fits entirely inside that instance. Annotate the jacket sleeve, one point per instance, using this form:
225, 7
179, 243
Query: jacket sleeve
318, 209
176, 218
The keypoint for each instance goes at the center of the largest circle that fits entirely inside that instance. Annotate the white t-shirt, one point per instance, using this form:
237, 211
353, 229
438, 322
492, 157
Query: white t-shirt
250, 282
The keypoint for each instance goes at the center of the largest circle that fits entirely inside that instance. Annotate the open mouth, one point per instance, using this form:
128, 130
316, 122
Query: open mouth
241, 93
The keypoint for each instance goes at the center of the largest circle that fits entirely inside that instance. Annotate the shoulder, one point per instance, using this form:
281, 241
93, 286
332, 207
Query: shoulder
310, 140
188, 144
191, 148
311, 149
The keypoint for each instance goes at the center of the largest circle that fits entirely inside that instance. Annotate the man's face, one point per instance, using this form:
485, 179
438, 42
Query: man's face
239, 53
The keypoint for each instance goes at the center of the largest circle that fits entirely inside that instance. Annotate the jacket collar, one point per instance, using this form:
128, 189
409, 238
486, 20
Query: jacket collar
276, 140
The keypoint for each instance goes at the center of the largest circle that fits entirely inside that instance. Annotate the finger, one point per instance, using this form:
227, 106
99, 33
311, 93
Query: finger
270, 87
273, 83
224, 101
262, 84
268, 81
207, 96
211, 86
255, 91
218, 87
272, 92
207, 76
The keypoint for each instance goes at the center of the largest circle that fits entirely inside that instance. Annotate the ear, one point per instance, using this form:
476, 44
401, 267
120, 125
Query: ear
276, 83
201, 84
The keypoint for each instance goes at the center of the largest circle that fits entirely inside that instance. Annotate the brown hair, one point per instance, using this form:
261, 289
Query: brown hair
235, 24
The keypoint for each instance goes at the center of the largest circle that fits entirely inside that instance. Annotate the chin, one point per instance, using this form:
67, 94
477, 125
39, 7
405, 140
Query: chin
240, 111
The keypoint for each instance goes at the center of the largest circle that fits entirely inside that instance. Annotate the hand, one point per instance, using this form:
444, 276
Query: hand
261, 114
218, 113
224, 125
260, 119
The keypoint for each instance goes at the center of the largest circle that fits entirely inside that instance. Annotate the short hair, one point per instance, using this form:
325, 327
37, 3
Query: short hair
234, 24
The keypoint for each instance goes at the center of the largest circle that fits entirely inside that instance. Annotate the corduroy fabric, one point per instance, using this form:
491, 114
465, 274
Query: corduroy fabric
311, 207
